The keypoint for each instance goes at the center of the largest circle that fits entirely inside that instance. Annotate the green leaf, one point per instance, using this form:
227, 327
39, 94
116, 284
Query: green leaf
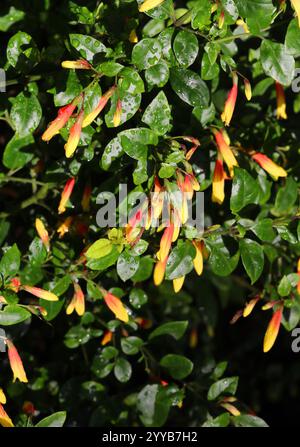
277, 62
180, 261
264, 230
25, 114
158, 114
177, 366
127, 265
221, 262
201, 14
13, 16
152, 406
253, 258
122, 370
174, 328
257, 12
284, 287
227, 385
10, 262
131, 345
286, 198
15, 154
104, 262
99, 249
158, 74
13, 314
146, 53
222, 420
87, 46
4, 229
22, 52
189, 87
186, 48
137, 298
54, 420
247, 420
292, 38
245, 190
110, 68
130, 81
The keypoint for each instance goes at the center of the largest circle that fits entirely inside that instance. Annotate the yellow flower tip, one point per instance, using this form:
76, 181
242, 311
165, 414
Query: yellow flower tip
116, 306
198, 260
231, 409
2, 397
16, 363
100, 106
281, 102
250, 306
40, 293
159, 272
240, 22
248, 89
221, 20
178, 283
149, 4
133, 38
218, 183
272, 330
296, 6
80, 64
74, 136
63, 116
166, 241
42, 232
5, 420
118, 114
226, 152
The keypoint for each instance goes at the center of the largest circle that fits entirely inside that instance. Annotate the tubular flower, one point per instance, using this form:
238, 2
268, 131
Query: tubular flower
63, 116
226, 152
77, 303
165, 242
157, 199
115, 305
102, 103
248, 89
16, 363
218, 183
117, 114
42, 232
107, 337
159, 272
80, 64
196, 144
250, 306
296, 6
221, 19
66, 194
149, 4
177, 226
281, 103
135, 226
133, 38
2, 397
74, 136
198, 259
5, 420
178, 283
230, 101
231, 409
269, 166
64, 227
40, 293
86, 198
273, 329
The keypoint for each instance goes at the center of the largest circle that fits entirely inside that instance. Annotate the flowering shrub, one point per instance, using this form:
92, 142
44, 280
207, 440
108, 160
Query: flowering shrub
115, 307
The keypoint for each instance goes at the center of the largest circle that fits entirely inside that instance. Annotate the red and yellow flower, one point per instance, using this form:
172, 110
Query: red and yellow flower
102, 103
218, 182
117, 114
74, 135
273, 329
107, 337
86, 198
63, 116
269, 166
225, 151
5, 420
80, 64
231, 101
115, 305
66, 194
40, 293
16, 363
64, 227
77, 303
